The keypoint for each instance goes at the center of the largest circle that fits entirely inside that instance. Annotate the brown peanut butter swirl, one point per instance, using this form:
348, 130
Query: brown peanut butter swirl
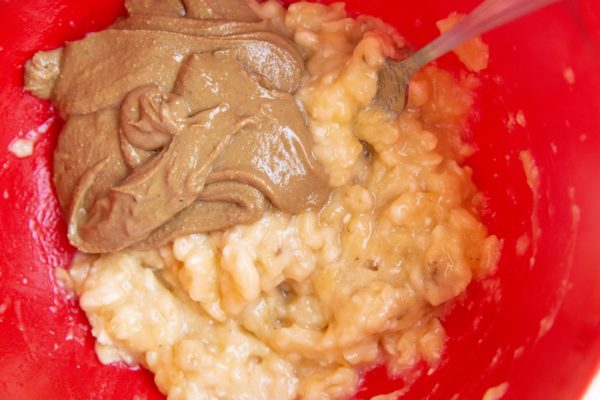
180, 119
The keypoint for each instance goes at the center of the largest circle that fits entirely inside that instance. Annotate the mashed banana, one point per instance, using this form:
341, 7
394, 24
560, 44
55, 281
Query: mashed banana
294, 306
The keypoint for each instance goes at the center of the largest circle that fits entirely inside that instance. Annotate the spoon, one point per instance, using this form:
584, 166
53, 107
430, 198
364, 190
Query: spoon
395, 76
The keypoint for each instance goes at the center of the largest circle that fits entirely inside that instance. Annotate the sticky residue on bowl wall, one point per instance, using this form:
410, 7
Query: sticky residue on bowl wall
515, 119
569, 75
522, 245
547, 322
532, 174
390, 396
3, 307
22, 146
496, 392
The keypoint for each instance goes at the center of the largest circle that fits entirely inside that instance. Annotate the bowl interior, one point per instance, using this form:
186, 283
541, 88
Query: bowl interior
534, 325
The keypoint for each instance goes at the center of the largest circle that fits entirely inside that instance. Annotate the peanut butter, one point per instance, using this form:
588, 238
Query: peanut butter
180, 118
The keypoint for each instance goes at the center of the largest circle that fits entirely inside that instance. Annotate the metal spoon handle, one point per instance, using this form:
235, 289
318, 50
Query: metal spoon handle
488, 15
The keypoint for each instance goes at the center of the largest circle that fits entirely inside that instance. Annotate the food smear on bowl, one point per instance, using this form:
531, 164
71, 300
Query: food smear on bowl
496, 392
474, 53
249, 224
23, 147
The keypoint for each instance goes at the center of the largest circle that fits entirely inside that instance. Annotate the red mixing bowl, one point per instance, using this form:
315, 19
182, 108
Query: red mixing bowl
535, 325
